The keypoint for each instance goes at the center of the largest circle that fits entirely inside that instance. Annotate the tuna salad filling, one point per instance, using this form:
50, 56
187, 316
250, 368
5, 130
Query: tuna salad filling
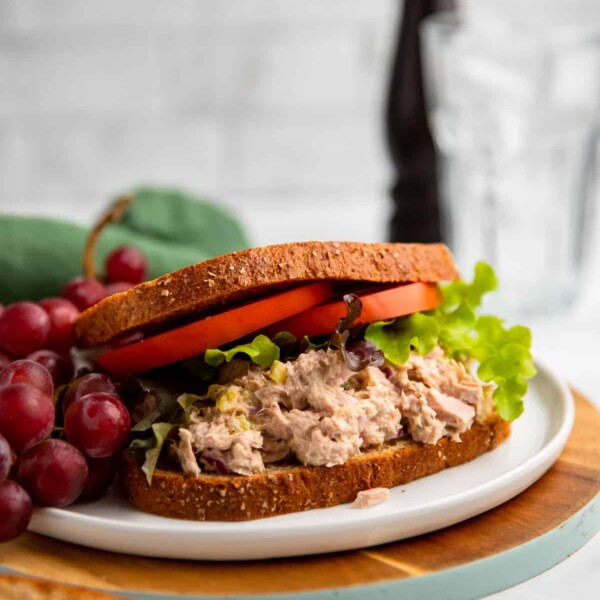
317, 411
321, 401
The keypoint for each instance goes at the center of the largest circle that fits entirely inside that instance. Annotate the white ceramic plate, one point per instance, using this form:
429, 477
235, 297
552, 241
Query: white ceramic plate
427, 504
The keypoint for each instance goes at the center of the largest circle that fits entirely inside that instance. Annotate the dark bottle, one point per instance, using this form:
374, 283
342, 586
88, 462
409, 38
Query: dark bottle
416, 216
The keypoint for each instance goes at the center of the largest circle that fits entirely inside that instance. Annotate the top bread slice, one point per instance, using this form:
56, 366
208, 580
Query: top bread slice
246, 274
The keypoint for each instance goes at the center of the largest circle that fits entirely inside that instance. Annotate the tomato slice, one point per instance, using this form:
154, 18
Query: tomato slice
211, 332
377, 306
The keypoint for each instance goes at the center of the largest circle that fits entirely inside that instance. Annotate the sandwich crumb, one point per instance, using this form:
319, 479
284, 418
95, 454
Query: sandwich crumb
371, 497
165, 293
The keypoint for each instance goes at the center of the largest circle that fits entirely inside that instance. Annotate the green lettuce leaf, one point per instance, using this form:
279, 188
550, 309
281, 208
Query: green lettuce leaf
188, 400
509, 362
146, 422
160, 431
140, 445
509, 398
288, 344
284, 338
503, 354
457, 329
307, 344
460, 291
197, 367
492, 334
396, 338
261, 351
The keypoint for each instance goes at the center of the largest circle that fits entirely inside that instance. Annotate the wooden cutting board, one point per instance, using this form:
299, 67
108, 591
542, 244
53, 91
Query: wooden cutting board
517, 540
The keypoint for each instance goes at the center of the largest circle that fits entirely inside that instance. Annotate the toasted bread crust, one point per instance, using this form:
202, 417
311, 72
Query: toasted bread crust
249, 273
290, 489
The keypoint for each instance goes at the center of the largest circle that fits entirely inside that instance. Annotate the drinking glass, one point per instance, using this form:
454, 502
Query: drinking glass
513, 108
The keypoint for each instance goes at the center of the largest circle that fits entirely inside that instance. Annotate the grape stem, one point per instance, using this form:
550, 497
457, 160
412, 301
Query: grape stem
113, 215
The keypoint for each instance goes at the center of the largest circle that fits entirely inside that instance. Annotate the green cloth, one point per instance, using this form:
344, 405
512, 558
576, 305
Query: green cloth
173, 229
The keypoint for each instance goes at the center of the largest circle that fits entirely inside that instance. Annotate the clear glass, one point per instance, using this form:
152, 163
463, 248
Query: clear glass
514, 114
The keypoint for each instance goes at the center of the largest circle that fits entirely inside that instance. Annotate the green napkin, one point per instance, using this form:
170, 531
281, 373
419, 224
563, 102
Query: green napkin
173, 229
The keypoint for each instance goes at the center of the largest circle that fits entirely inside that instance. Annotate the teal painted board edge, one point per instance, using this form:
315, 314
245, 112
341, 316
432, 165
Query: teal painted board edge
473, 580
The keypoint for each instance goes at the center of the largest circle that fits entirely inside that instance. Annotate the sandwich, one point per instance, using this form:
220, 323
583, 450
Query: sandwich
296, 376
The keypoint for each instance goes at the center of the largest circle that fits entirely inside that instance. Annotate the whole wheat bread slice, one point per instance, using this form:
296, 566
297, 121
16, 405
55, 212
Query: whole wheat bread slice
250, 273
287, 489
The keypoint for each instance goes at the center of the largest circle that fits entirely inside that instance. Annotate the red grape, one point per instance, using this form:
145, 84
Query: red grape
126, 264
59, 367
98, 424
88, 384
16, 508
115, 288
53, 472
26, 415
5, 359
5, 458
101, 473
83, 292
62, 314
28, 371
24, 328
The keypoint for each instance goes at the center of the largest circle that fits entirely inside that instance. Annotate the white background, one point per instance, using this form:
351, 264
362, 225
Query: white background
271, 107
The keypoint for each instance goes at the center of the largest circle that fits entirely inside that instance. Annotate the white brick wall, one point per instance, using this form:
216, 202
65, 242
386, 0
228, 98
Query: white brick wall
270, 106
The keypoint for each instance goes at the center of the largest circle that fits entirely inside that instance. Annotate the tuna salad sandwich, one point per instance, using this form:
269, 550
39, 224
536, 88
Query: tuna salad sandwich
292, 377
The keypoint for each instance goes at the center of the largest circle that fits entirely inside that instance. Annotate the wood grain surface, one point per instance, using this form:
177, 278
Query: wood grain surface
567, 487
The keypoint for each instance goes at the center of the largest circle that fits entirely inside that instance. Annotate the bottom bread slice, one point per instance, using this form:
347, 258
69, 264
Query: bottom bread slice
293, 488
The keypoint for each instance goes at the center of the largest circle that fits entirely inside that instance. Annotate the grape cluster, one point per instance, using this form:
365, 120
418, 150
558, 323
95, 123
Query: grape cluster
58, 437
125, 267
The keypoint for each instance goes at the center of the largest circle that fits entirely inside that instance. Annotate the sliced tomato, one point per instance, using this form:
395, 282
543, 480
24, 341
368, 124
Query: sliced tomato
377, 306
211, 332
